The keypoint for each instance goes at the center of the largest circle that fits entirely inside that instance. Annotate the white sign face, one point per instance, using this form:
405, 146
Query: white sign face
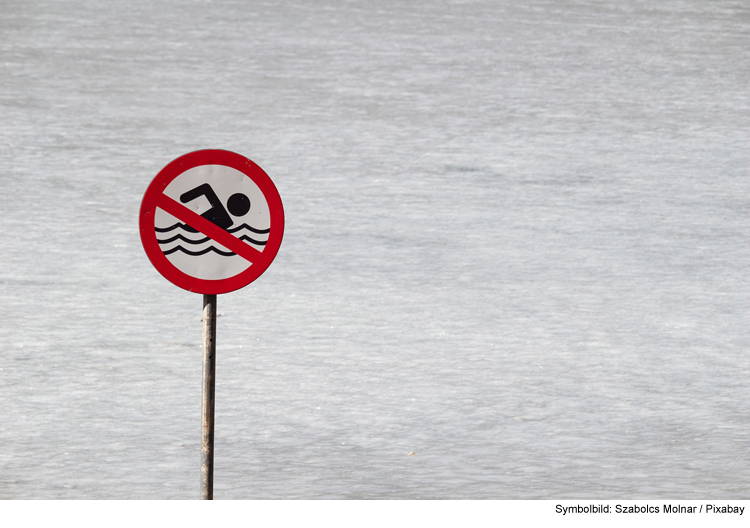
211, 221
230, 200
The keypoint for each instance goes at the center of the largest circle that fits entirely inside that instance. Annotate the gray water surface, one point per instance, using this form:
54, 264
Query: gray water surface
516, 245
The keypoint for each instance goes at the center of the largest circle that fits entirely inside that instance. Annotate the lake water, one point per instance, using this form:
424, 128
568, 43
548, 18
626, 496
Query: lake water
516, 246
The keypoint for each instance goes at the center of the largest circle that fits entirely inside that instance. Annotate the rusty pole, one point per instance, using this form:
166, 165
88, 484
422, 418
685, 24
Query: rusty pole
208, 399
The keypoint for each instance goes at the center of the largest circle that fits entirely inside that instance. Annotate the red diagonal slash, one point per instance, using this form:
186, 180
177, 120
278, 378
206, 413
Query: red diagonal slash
209, 229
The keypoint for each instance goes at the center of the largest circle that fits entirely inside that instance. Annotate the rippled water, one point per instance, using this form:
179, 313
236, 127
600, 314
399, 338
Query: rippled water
515, 246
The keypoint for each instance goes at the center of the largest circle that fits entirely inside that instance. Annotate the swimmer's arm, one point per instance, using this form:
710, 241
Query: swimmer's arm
201, 190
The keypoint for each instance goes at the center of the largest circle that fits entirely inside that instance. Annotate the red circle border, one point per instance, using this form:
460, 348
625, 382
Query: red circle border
172, 171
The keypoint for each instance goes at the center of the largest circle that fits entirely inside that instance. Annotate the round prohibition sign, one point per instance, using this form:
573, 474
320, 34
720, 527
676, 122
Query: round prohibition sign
211, 221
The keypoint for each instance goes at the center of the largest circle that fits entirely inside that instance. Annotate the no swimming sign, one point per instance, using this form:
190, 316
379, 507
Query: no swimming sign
211, 221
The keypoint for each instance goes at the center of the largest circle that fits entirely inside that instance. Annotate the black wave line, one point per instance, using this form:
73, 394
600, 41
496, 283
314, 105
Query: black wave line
203, 240
198, 253
258, 231
165, 229
252, 241
233, 230
184, 239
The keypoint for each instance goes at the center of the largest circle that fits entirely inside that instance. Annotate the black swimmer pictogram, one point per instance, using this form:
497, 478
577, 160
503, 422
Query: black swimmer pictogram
238, 204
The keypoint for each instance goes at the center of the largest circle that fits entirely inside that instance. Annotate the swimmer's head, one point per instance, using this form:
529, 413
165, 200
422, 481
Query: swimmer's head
238, 204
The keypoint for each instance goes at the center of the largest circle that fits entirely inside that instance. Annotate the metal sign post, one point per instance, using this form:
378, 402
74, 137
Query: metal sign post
211, 222
208, 398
